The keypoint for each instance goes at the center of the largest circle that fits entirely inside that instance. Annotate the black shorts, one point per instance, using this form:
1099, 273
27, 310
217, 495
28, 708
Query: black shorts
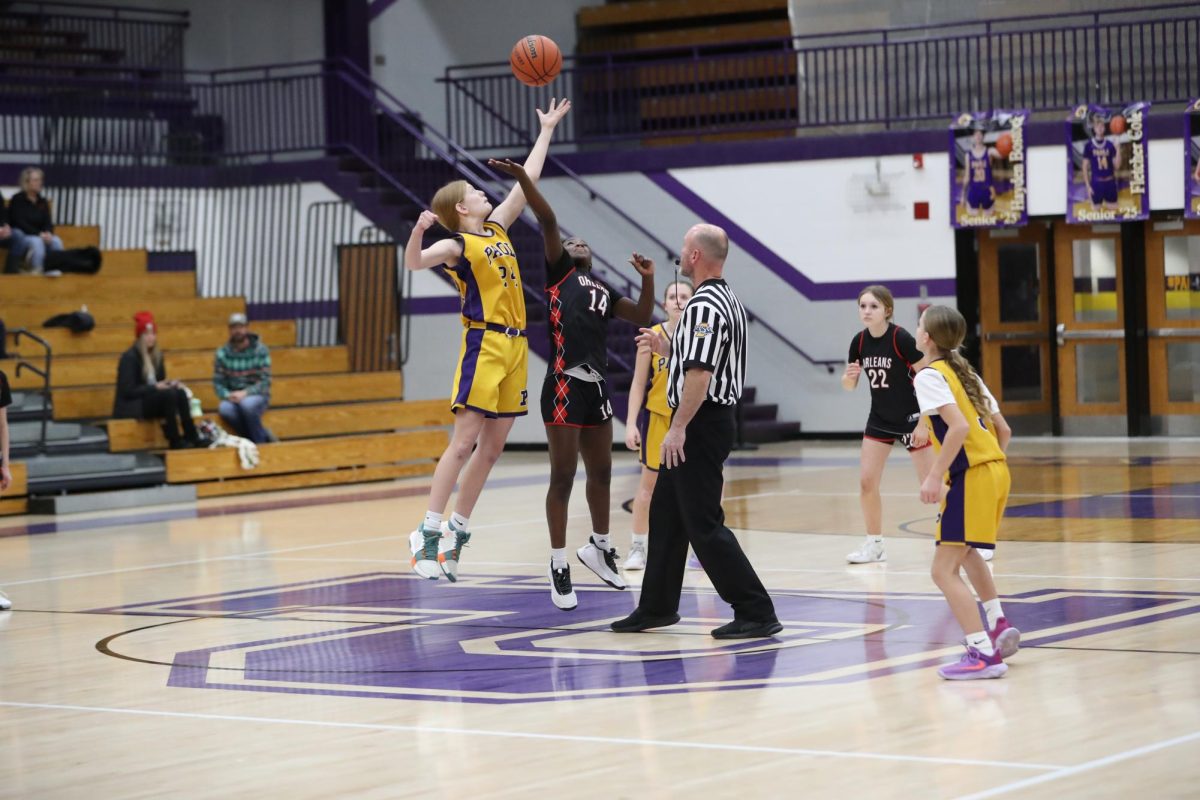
575, 403
889, 437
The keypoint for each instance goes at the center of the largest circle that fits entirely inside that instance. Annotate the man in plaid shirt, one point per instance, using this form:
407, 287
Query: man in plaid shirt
242, 379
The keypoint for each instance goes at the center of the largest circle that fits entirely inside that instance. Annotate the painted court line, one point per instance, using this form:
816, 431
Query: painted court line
423, 729
1066, 772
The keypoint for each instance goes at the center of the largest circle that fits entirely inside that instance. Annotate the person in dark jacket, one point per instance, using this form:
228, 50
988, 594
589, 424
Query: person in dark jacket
143, 391
29, 216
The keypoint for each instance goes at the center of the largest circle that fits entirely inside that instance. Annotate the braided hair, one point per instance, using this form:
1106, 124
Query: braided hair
947, 329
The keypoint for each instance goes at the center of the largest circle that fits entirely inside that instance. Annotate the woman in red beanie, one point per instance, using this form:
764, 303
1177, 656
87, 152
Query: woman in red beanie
143, 391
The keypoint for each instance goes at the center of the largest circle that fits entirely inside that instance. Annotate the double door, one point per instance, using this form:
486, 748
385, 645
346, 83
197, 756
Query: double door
1076, 341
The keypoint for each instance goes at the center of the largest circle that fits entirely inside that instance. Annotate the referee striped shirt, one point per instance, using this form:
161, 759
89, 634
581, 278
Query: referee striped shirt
711, 335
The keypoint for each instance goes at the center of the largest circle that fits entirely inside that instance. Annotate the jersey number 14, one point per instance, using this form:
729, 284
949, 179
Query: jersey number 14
599, 302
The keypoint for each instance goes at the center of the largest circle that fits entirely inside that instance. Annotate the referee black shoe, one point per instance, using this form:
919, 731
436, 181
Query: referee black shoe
747, 629
641, 621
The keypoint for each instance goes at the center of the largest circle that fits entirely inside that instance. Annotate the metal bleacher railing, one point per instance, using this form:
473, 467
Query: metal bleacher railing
883, 79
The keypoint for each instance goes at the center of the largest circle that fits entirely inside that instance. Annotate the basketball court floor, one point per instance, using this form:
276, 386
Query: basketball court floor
279, 646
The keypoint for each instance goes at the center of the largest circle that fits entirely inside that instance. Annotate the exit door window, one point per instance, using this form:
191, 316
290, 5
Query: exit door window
1182, 268
1095, 284
1020, 284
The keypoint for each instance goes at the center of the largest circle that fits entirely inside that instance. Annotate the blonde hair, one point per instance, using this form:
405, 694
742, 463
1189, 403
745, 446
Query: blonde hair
947, 329
152, 359
445, 204
883, 295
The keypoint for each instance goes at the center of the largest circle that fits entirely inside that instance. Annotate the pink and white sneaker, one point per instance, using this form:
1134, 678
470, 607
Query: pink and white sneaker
1005, 638
974, 666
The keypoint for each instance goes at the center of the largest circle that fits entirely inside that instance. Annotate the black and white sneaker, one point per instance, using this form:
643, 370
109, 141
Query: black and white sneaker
601, 562
561, 590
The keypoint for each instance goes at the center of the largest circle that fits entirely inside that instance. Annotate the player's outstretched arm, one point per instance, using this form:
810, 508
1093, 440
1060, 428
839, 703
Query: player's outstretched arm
508, 211
537, 201
442, 252
639, 313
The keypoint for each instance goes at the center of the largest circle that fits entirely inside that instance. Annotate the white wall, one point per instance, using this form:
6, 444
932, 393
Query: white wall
224, 34
418, 39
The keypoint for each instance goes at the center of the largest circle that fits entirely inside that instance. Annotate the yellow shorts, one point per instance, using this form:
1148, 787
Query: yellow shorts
493, 374
652, 427
974, 505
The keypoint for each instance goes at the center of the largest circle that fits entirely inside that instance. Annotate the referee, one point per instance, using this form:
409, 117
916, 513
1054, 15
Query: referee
705, 375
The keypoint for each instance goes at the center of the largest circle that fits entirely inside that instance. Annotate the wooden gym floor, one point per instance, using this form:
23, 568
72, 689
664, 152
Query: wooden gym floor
279, 646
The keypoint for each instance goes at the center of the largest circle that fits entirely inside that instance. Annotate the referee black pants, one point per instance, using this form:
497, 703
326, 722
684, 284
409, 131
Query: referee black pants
686, 508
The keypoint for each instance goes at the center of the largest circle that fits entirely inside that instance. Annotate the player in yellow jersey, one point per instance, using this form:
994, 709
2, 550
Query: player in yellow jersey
648, 418
490, 384
970, 478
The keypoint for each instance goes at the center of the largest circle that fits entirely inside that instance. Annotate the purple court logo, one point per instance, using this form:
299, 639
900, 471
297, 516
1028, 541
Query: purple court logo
498, 639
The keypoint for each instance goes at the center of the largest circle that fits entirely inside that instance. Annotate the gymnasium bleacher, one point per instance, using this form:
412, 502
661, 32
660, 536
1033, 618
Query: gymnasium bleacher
334, 425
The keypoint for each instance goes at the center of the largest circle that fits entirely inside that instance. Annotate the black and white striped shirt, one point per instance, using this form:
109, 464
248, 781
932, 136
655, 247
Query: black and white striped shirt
711, 335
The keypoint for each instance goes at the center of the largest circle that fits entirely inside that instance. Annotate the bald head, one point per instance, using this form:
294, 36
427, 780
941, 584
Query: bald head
710, 240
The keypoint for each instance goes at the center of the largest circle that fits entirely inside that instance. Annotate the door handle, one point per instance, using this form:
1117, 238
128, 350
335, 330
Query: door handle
1061, 334
1021, 336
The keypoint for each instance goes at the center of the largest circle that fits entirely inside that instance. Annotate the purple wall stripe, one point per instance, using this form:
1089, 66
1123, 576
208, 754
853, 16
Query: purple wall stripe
171, 261
305, 308
377, 7
936, 287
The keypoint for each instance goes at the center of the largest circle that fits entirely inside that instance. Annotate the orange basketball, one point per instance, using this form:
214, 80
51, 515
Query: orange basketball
1004, 144
535, 60
1117, 124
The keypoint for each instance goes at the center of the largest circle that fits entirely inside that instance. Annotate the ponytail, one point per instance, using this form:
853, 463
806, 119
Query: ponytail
947, 329
969, 381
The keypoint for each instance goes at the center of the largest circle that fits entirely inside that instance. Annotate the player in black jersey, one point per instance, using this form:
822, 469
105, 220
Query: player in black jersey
885, 354
576, 406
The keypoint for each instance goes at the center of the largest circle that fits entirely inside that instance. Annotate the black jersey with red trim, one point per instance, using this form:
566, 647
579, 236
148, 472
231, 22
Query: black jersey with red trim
580, 307
887, 368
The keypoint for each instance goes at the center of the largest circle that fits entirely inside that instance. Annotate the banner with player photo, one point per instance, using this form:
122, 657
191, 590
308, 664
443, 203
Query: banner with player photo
987, 181
1191, 160
1107, 172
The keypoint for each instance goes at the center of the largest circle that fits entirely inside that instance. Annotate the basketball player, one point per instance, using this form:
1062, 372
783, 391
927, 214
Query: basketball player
978, 192
971, 481
5, 472
1101, 160
886, 354
576, 405
648, 418
490, 382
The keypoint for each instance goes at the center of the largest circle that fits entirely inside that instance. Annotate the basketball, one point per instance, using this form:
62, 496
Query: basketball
1117, 124
535, 60
1004, 144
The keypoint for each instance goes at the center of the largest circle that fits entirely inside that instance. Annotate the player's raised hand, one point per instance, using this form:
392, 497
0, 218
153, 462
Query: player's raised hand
554, 113
507, 166
643, 265
649, 339
426, 220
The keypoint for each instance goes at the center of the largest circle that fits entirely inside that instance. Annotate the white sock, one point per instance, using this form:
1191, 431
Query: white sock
459, 521
981, 642
558, 557
875, 539
433, 522
601, 541
994, 612
641, 540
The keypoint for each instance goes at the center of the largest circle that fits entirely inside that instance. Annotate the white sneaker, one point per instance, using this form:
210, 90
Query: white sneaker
5, 603
450, 549
424, 546
601, 562
636, 559
561, 590
869, 552
985, 554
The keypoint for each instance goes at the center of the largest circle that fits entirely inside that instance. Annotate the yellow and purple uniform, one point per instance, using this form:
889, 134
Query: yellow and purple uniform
978, 476
493, 364
657, 416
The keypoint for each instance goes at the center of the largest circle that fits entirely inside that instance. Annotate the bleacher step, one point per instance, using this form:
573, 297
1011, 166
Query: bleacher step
53, 473
110, 500
25, 405
61, 438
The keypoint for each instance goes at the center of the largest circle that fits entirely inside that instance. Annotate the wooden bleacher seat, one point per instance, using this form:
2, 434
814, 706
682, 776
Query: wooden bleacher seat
116, 339
189, 366
76, 289
167, 311
302, 422
95, 402
309, 462
14, 500
78, 235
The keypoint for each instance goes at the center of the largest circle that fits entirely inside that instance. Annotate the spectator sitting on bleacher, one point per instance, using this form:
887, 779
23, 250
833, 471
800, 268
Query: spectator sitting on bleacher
143, 391
33, 229
242, 380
